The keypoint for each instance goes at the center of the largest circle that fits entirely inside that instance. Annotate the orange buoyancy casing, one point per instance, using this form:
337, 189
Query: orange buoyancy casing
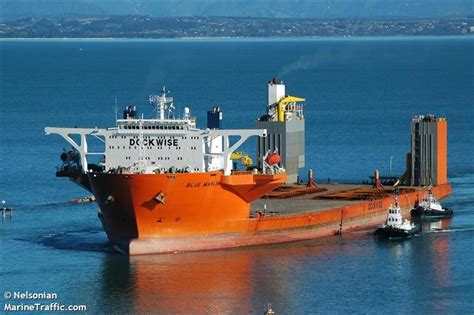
174, 205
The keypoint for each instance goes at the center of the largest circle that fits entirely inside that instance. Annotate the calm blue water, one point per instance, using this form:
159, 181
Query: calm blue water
361, 94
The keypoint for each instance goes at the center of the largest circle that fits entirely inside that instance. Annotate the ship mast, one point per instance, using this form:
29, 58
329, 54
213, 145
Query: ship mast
141, 152
163, 103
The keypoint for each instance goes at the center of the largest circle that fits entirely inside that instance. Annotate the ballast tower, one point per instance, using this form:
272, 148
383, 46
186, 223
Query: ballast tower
284, 122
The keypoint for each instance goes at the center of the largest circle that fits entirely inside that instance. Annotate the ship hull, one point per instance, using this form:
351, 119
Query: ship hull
167, 206
420, 212
393, 232
210, 211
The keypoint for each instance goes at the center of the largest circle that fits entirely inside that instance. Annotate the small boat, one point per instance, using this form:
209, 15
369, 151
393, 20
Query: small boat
82, 200
268, 310
429, 207
395, 226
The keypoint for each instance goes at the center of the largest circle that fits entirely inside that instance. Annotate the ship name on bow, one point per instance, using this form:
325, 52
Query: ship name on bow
201, 184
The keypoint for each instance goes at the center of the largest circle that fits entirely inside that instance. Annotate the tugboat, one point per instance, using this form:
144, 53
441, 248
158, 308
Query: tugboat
395, 226
429, 207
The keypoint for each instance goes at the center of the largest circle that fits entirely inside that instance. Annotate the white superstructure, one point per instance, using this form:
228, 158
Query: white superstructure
160, 145
276, 91
429, 202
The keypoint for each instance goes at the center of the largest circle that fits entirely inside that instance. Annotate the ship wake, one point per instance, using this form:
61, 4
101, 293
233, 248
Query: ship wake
93, 240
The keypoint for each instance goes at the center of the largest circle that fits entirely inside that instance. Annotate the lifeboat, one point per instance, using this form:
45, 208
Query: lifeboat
273, 158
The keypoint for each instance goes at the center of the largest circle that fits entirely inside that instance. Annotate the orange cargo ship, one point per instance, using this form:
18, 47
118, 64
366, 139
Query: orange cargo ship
163, 185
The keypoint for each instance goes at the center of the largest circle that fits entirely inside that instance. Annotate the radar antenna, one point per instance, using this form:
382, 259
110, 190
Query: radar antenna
163, 104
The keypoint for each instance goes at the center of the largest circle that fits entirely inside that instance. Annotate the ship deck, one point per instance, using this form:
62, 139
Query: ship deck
335, 195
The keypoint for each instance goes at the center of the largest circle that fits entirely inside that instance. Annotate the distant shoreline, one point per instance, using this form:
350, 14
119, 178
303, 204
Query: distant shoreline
147, 27
302, 38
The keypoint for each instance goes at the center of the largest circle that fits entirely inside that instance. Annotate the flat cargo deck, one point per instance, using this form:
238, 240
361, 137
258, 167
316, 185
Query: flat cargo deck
335, 196
304, 203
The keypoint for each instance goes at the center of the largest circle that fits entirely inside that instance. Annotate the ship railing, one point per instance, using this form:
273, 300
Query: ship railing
240, 172
157, 121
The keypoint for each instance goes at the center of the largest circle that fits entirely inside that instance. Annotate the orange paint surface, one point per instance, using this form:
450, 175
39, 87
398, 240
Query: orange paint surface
442, 158
194, 203
203, 211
